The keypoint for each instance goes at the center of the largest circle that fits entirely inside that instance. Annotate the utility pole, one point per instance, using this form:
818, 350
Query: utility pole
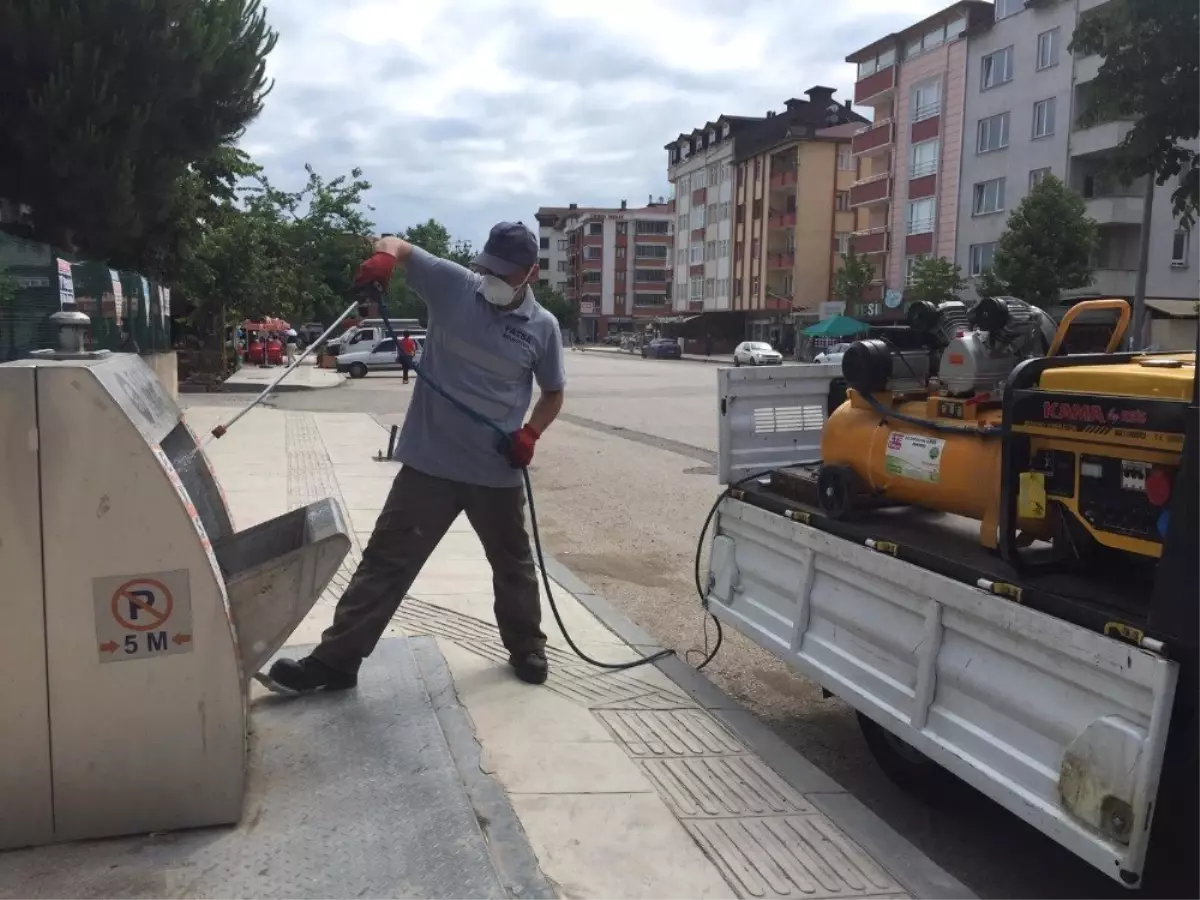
1139, 287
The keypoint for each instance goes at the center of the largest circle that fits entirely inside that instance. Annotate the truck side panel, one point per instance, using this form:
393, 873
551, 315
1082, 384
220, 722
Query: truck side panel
1061, 726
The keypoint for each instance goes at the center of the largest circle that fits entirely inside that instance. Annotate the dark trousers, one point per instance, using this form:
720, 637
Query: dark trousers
416, 516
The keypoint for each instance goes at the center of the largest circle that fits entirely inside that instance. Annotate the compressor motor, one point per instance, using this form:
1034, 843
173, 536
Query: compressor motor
970, 351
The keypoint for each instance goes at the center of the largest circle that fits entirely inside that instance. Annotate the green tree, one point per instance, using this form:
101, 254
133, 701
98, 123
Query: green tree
1151, 75
989, 284
555, 303
935, 280
111, 103
851, 281
1047, 246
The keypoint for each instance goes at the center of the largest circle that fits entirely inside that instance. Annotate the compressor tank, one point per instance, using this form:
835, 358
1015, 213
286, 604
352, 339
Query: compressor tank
904, 463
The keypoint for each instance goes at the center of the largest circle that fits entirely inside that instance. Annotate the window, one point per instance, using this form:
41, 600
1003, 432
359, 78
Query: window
714, 174
595, 228
658, 275
845, 160
683, 223
875, 63
592, 276
699, 179
926, 100
923, 159
988, 197
562, 244
1179, 249
621, 252
650, 251
1036, 176
544, 243
649, 299
722, 249
843, 201
544, 262
1047, 48
754, 286
622, 227
910, 263
935, 37
1006, 8
841, 242
699, 216
685, 184
980, 258
997, 68
697, 254
993, 133
562, 265
757, 167
651, 226
620, 273
920, 215
710, 251
725, 210
755, 247
696, 287
757, 209
710, 286
592, 252
1043, 117
726, 168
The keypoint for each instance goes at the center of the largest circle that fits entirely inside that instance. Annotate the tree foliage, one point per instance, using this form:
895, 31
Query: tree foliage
935, 280
1150, 74
1047, 245
112, 111
556, 304
851, 281
433, 237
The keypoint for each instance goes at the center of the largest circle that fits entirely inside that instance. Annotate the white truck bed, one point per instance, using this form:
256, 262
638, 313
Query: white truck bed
1062, 726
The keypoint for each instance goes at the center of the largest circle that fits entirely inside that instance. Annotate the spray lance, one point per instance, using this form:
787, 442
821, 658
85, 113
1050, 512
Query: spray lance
375, 292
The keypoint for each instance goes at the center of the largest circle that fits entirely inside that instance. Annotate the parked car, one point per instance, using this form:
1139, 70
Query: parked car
756, 353
662, 348
613, 339
357, 361
831, 354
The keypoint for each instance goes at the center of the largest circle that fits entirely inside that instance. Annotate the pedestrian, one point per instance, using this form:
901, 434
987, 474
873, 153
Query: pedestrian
408, 351
708, 344
488, 340
290, 343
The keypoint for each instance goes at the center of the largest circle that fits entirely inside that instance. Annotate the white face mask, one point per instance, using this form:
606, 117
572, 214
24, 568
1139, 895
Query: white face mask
499, 292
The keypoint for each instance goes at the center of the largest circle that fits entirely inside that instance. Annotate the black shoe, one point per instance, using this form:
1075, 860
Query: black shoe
531, 667
310, 674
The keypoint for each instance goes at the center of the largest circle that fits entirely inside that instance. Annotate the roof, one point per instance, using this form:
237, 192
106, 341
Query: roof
841, 132
980, 8
801, 120
1176, 309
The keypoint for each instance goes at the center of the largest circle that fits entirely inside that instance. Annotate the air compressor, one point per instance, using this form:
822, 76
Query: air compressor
993, 421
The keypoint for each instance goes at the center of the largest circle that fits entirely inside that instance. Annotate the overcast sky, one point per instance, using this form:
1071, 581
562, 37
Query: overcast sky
473, 111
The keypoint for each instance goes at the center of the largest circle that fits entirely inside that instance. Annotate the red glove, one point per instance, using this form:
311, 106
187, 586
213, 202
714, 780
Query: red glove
375, 270
520, 446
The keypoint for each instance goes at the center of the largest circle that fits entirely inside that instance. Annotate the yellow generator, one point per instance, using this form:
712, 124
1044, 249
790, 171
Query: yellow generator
995, 422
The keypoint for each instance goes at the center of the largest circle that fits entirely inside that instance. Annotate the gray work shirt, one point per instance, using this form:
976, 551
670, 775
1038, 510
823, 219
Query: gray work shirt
486, 358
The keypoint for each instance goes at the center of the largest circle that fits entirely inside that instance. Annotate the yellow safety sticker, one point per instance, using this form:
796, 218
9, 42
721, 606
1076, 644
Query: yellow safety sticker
1123, 631
1031, 498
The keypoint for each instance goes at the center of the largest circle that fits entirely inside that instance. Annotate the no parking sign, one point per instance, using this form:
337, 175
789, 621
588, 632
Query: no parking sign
139, 616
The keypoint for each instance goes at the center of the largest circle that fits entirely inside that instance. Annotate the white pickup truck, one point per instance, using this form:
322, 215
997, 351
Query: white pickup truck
953, 662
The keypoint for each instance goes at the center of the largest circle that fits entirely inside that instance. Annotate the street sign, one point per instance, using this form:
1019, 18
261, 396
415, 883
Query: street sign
140, 616
893, 298
587, 308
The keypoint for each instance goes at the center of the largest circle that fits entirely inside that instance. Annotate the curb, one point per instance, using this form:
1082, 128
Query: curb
252, 388
699, 359
913, 869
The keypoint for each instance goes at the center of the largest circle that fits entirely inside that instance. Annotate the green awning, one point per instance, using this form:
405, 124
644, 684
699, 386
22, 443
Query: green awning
837, 326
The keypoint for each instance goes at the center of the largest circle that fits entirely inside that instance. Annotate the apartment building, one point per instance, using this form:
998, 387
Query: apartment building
755, 198
553, 225
619, 266
789, 231
1025, 93
906, 194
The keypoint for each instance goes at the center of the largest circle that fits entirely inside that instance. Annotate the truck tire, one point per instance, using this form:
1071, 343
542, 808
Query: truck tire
357, 370
908, 768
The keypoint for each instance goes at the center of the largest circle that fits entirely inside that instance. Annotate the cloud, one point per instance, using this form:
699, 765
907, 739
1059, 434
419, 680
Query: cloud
473, 111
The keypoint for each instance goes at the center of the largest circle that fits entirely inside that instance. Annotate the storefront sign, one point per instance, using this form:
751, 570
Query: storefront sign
587, 308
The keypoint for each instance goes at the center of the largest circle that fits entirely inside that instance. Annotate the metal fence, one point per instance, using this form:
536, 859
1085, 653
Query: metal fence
128, 311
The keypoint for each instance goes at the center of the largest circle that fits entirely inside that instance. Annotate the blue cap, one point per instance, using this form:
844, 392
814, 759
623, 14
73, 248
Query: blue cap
510, 248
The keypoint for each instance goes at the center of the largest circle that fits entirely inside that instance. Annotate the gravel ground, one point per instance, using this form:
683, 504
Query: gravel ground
623, 482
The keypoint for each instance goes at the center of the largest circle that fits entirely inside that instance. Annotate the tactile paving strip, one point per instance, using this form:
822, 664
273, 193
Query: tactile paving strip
682, 732
790, 856
723, 786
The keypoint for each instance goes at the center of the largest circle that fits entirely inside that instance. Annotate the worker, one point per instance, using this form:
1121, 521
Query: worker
488, 339
408, 351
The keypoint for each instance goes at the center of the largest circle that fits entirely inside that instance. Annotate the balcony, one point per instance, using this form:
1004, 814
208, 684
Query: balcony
1111, 283
872, 240
1116, 209
782, 220
875, 86
871, 191
1099, 138
786, 178
875, 139
781, 260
